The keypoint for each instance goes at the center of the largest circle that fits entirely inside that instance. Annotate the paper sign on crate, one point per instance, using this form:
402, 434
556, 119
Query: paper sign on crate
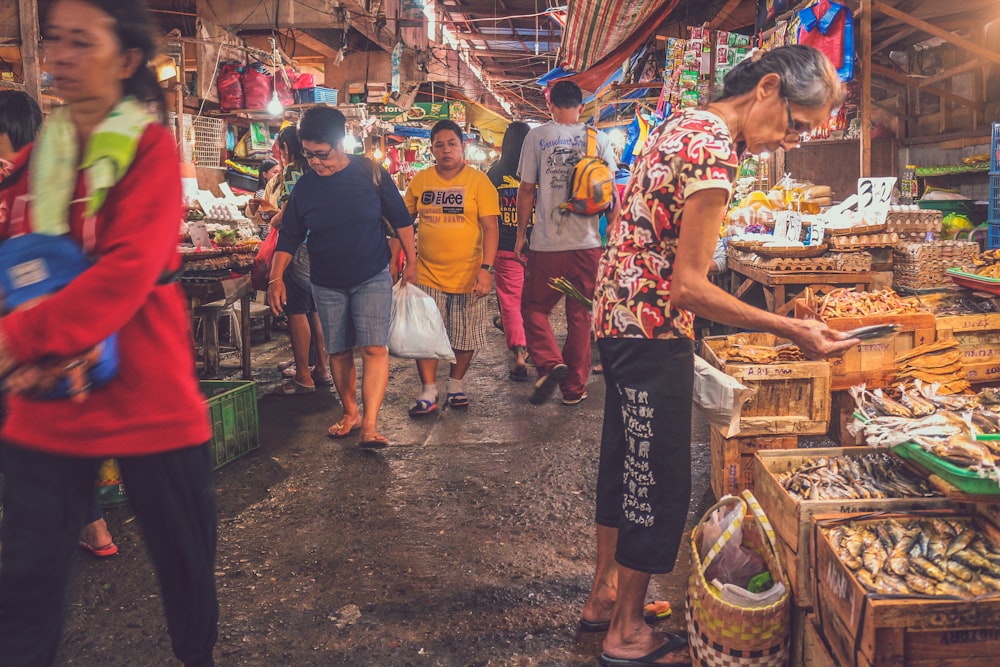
874, 198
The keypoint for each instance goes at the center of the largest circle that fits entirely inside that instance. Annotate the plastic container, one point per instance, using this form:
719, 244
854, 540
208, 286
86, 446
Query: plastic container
994, 201
946, 206
993, 236
233, 410
995, 149
961, 478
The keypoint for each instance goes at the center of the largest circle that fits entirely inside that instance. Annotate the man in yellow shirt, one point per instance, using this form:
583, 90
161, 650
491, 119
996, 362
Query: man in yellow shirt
457, 207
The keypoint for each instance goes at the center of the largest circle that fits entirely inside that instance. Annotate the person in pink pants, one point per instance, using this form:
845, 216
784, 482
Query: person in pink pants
509, 269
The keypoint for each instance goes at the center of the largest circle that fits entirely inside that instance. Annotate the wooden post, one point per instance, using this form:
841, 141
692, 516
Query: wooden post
179, 108
865, 34
30, 61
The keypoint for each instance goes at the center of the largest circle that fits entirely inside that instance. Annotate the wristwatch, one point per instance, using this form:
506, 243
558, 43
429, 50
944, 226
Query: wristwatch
488, 267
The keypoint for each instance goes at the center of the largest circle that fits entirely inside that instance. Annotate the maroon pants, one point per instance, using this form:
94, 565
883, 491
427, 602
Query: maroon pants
537, 301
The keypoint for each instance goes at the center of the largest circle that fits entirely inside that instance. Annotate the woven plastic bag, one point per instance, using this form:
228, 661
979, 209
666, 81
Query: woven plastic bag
724, 634
416, 330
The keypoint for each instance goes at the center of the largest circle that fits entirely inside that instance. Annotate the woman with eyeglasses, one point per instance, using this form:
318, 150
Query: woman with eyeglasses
653, 280
104, 174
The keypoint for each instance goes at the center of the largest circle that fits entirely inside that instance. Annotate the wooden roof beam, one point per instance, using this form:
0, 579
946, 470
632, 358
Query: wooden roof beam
915, 83
931, 29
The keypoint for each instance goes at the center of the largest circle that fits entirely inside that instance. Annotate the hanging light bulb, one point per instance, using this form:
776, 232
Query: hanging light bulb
274, 107
350, 143
377, 153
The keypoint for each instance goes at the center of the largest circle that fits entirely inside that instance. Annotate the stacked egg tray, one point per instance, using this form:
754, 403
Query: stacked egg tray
924, 265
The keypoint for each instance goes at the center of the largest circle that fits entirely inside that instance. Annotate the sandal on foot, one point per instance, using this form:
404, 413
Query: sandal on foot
342, 429
519, 374
654, 611
422, 407
293, 387
109, 549
458, 400
323, 381
674, 643
546, 384
377, 441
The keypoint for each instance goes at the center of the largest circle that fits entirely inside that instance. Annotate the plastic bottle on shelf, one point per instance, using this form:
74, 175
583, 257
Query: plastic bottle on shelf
908, 185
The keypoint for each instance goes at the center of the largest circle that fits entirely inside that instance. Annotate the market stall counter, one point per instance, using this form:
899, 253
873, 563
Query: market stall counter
775, 283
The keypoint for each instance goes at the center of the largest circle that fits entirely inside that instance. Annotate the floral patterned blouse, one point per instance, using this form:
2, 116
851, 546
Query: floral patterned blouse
690, 152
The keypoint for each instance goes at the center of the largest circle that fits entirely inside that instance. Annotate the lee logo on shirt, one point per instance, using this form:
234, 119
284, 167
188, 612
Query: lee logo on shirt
450, 200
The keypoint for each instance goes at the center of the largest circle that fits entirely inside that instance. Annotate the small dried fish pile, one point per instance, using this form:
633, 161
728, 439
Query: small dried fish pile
843, 302
989, 396
987, 264
919, 556
759, 354
963, 451
874, 475
939, 362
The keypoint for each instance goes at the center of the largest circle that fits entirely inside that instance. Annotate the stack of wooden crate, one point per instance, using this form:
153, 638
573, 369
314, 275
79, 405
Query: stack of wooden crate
790, 399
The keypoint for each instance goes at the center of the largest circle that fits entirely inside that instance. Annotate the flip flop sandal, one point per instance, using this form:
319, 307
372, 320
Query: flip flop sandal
458, 400
375, 442
519, 374
337, 431
323, 381
109, 549
422, 408
674, 642
293, 388
652, 612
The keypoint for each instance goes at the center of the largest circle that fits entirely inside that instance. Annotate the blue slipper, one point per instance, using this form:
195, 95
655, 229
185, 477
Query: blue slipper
422, 407
458, 400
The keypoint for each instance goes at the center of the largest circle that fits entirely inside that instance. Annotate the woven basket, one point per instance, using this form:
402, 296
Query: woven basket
722, 634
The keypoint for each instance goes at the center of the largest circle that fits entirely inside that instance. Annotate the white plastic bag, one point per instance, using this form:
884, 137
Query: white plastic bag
720, 397
416, 330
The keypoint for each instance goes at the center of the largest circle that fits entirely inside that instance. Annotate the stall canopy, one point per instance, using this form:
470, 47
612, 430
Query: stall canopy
600, 35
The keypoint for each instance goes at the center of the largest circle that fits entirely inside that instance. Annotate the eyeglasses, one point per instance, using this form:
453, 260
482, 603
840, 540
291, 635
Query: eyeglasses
794, 129
322, 157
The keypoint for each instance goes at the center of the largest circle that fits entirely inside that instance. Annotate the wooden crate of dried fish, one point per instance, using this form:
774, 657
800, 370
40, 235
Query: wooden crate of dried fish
978, 339
815, 650
792, 395
732, 464
919, 588
795, 486
872, 362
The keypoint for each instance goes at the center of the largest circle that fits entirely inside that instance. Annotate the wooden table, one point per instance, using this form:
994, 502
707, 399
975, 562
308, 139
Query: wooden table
228, 290
774, 283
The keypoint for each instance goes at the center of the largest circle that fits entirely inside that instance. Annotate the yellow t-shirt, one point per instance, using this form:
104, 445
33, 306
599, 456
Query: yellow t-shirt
449, 237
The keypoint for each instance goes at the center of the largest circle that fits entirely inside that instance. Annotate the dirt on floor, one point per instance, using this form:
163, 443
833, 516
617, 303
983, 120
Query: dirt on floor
469, 541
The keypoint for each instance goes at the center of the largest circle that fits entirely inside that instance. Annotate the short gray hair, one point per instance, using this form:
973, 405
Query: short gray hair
808, 78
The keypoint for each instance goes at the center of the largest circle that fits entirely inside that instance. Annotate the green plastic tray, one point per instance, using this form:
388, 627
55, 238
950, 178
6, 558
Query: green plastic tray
961, 478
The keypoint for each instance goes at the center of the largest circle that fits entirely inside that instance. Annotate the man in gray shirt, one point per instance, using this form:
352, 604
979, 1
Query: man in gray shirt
563, 244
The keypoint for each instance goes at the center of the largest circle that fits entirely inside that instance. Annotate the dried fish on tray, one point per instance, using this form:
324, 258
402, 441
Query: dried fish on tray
843, 302
759, 354
918, 556
873, 475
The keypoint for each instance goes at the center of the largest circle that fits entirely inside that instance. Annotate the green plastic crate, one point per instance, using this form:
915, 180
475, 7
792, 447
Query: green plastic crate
960, 478
232, 407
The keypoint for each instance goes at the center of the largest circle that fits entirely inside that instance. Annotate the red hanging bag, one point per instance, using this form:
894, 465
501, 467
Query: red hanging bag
260, 272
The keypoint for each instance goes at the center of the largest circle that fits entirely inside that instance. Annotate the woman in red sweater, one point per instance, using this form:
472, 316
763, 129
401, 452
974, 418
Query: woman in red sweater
105, 174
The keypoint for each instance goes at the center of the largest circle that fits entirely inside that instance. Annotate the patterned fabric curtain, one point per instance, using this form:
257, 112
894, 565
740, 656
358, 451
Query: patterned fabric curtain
594, 28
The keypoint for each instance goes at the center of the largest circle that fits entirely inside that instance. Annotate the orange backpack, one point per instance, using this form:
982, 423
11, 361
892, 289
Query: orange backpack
591, 184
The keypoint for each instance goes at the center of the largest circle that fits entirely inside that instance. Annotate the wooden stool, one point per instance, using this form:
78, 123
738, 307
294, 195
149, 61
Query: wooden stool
208, 315
258, 311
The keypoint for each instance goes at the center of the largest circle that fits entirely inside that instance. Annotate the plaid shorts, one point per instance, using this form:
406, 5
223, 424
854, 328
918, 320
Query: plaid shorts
464, 317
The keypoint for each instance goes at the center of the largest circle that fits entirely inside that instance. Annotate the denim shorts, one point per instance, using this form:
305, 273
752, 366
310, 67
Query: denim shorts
355, 316
298, 289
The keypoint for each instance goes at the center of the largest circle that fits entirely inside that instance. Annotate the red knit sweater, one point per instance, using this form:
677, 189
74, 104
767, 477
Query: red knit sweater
154, 404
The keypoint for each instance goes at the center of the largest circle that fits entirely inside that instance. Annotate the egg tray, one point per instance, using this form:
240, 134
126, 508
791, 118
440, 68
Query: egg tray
863, 241
794, 265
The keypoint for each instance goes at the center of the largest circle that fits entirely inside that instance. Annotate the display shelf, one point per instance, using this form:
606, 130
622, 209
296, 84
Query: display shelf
930, 172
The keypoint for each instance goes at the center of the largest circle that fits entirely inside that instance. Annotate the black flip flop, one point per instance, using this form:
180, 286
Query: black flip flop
650, 659
602, 626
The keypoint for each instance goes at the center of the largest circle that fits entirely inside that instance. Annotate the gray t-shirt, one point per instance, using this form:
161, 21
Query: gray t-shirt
547, 159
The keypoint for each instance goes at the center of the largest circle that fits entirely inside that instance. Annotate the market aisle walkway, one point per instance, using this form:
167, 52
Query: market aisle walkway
469, 542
